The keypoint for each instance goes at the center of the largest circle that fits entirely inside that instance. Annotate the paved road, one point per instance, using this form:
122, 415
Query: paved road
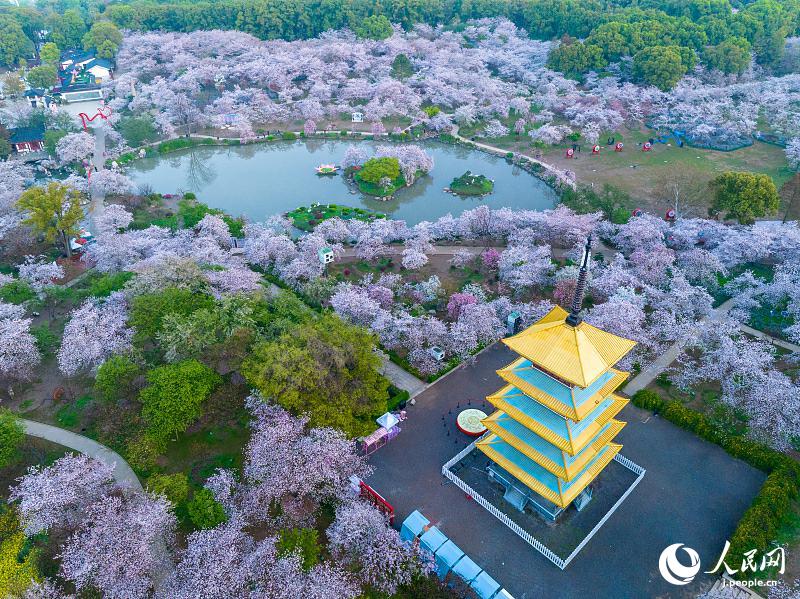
561, 175
693, 493
97, 204
773, 340
401, 378
649, 374
123, 473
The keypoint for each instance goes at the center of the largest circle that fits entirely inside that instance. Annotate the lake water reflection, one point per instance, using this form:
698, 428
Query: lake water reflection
259, 180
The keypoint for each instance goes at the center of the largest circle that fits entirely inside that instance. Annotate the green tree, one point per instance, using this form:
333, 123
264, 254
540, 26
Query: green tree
11, 437
376, 169
104, 37
14, 44
67, 29
744, 196
17, 566
149, 309
204, 511
174, 396
45, 76
374, 27
730, 56
5, 144
50, 53
138, 130
303, 541
661, 66
115, 378
575, 59
55, 211
51, 138
13, 84
174, 487
326, 368
402, 67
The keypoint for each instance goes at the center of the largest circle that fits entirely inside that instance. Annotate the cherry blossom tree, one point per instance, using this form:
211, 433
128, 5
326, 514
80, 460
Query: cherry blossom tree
74, 147
457, 301
112, 219
107, 182
95, 331
524, 266
413, 258
57, 496
793, 153
309, 127
355, 304
216, 228
477, 325
491, 258
19, 354
119, 546
39, 273
361, 535
285, 461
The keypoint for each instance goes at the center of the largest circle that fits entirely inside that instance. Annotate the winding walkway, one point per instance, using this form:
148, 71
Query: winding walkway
123, 473
649, 374
558, 173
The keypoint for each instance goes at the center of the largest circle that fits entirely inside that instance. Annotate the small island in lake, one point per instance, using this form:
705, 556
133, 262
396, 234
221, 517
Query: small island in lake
380, 177
471, 185
306, 219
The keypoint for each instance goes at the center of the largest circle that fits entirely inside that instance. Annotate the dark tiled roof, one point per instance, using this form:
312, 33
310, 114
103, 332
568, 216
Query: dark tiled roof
23, 134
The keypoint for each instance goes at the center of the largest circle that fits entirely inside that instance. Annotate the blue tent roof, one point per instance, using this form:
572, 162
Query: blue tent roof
432, 539
485, 586
446, 557
413, 526
466, 569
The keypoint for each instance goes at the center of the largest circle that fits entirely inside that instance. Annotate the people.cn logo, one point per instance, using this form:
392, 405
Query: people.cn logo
673, 571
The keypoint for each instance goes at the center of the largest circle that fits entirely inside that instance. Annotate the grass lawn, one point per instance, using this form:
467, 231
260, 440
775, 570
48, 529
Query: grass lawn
638, 172
706, 400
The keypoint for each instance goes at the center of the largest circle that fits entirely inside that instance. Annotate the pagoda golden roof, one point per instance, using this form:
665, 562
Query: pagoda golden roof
578, 355
575, 411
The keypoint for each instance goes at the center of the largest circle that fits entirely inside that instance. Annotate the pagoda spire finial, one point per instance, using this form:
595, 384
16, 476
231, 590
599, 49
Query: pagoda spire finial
574, 318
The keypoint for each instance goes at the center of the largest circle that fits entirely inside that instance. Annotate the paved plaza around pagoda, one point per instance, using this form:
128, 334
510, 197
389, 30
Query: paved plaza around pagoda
693, 493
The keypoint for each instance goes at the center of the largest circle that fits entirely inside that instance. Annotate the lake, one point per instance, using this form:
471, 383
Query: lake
260, 180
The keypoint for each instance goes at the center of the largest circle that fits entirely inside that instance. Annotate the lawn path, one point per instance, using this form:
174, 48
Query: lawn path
648, 375
123, 473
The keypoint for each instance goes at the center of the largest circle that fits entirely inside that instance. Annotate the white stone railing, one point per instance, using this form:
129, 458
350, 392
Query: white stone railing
526, 536
633, 467
523, 534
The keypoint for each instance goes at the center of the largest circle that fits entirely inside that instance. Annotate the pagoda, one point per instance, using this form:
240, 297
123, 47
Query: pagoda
553, 431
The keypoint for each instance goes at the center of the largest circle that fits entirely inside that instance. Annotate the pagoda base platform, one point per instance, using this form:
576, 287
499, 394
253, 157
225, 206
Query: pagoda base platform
559, 534
519, 496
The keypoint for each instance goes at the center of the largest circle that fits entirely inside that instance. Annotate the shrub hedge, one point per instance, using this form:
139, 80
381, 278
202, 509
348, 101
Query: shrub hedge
759, 524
